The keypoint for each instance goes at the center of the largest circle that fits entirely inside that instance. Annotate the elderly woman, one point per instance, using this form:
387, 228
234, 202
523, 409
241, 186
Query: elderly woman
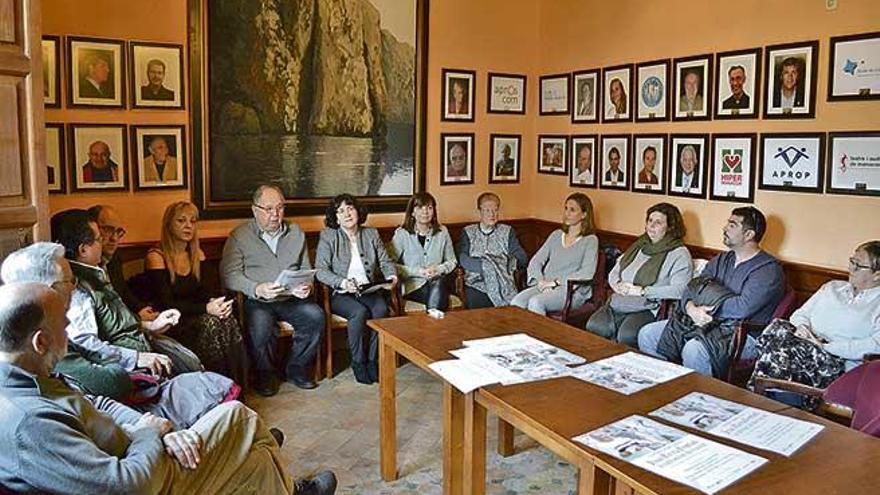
423, 252
490, 253
831, 332
570, 252
656, 266
350, 258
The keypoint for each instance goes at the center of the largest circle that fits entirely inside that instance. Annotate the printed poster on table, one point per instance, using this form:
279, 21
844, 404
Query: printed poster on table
629, 372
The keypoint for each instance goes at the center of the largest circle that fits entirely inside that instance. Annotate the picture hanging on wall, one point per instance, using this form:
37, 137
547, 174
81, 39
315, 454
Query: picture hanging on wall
156, 75
652, 91
615, 162
854, 163
733, 167
98, 157
159, 156
55, 169
585, 93
506, 93
790, 80
552, 158
51, 46
792, 162
95, 72
738, 84
617, 94
583, 161
458, 95
854, 67
504, 166
457, 157
688, 157
554, 94
649, 163
693, 85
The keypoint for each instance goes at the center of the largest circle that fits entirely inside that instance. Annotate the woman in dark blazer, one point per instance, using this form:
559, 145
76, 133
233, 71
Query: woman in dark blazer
349, 258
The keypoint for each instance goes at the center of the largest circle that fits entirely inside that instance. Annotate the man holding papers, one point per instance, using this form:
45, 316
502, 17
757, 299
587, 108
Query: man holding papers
253, 257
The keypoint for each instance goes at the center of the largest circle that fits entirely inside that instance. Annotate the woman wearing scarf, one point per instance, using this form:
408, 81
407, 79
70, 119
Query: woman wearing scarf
656, 266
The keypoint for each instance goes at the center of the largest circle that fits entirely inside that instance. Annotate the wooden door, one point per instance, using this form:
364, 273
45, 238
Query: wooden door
23, 190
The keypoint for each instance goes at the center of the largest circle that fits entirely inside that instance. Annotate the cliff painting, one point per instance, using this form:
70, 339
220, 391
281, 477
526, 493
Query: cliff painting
317, 96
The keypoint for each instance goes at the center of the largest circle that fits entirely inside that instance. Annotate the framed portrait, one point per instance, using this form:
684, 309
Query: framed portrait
98, 157
688, 156
159, 156
652, 91
504, 165
733, 167
552, 154
458, 95
585, 90
617, 94
156, 75
792, 162
506, 93
95, 72
51, 46
649, 163
854, 67
738, 84
693, 86
615, 162
583, 161
554, 94
790, 80
457, 158
55, 169
854, 163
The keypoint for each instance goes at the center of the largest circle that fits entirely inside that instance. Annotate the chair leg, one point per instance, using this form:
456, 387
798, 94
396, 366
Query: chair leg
328, 350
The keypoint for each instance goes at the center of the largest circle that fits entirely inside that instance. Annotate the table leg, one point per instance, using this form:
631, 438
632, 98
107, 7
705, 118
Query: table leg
474, 479
593, 481
505, 438
387, 409
453, 440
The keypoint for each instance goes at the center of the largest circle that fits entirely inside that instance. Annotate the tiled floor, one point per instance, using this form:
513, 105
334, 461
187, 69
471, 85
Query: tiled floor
336, 427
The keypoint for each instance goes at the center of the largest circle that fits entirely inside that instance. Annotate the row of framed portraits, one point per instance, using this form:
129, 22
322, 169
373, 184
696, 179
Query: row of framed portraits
96, 75
95, 157
688, 165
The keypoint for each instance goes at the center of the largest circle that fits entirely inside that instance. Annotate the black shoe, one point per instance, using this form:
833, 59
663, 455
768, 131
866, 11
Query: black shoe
299, 376
278, 435
323, 483
266, 384
373, 371
360, 373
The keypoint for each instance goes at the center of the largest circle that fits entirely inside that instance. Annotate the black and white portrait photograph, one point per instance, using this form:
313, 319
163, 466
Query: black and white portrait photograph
652, 91
458, 95
790, 75
732, 167
457, 158
55, 170
688, 157
504, 153
552, 158
792, 162
96, 75
693, 86
649, 163
554, 94
583, 161
159, 156
615, 162
156, 75
617, 94
51, 47
506, 93
585, 94
854, 67
738, 84
98, 157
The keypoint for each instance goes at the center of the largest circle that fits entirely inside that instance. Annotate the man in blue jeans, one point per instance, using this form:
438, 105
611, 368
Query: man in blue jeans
755, 278
255, 253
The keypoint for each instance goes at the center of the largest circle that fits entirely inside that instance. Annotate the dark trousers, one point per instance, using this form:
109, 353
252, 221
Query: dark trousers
434, 294
620, 327
477, 298
357, 310
262, 318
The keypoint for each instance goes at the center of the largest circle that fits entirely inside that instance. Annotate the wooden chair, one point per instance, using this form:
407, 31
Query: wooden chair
835, 412
578, 316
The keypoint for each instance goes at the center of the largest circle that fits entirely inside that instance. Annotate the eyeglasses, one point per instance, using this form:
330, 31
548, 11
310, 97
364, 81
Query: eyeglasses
270, 209
109, 231
855, 266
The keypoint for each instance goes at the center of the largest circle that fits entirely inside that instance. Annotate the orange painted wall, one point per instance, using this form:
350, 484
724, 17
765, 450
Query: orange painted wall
574, 35
498, 35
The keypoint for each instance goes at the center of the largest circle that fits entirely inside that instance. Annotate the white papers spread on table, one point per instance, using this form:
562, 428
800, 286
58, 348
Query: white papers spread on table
513, 364
291, 279
629, 372
466, 376
743, 424
694, 461
549, 352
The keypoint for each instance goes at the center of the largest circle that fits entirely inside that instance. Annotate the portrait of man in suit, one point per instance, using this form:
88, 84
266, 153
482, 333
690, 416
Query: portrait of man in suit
457, 100
614, 175
738, 99
504, 166
585, 98
96, 74
100, 167
788, 87
155, 90
583, 172
688, 176
161, 163
691, 97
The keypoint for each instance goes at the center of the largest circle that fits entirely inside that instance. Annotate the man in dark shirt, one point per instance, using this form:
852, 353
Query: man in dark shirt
738, 99
155, 90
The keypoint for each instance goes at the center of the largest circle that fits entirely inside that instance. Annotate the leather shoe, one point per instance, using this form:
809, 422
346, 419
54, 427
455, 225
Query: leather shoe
278, 435
266, 384
299, 377
323, 483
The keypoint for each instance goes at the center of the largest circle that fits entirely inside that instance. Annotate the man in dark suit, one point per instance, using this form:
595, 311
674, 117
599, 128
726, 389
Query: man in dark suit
96, 82
738, 99
789, 92
613, 175
155, 90
504, 165
100, 168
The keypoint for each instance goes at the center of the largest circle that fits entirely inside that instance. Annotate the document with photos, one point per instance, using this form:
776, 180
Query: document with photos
629, 372
740, 423
513, 364
669, 452
291, 279
550, 352
466, 376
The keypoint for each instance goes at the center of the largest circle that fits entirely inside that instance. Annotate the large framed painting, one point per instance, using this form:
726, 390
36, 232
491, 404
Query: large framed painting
319, 98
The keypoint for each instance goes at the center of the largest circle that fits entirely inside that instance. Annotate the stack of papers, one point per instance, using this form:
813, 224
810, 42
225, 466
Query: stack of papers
629, 372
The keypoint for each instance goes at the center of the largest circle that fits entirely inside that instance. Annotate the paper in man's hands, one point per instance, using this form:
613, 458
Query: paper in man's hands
290, 279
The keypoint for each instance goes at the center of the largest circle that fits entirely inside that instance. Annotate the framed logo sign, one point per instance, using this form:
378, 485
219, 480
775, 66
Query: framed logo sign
733, 168
854, 163
792, 162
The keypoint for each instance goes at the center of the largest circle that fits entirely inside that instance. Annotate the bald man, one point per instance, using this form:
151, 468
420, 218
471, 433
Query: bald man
100, 168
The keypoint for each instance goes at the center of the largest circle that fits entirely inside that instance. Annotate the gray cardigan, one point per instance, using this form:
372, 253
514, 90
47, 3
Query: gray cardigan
553, 261
248, 261
334, 256
409, 255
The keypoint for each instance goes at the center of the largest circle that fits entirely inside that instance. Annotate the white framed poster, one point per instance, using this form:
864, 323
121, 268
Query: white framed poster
507, 93
733, 167
854, 67
854, 163
792, 162
652, 91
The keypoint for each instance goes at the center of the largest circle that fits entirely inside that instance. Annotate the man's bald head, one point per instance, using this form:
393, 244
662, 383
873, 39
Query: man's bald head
24, 309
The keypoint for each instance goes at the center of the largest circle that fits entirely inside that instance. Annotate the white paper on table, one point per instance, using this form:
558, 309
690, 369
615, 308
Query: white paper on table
291, 279
550, 352
688, 459
629, 372
464, 375
513, 364
740, 423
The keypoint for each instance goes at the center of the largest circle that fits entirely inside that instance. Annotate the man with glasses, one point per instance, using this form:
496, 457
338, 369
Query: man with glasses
112, 232
253, 257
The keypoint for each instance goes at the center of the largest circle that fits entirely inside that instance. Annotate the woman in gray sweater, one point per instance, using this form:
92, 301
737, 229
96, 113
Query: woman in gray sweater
570, 252
656, 266
350, 257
